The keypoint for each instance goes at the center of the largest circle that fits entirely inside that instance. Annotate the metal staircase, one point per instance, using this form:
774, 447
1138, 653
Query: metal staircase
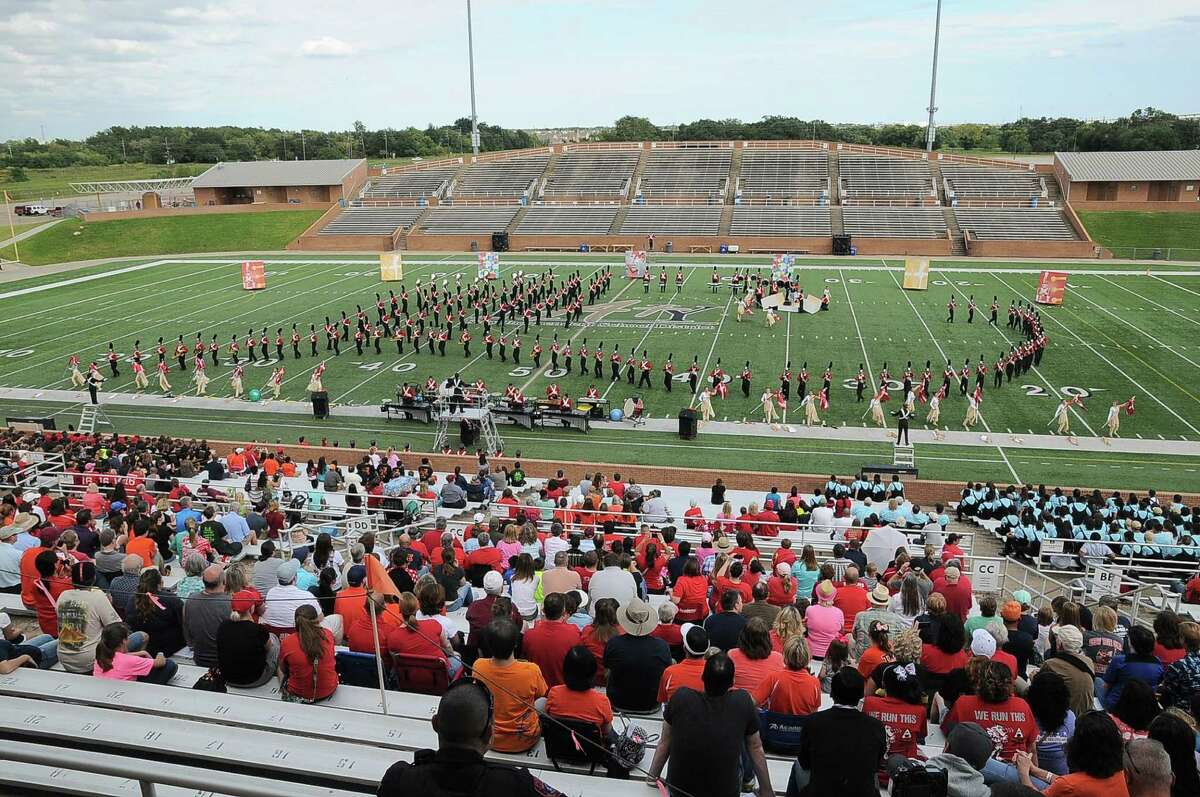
489, 435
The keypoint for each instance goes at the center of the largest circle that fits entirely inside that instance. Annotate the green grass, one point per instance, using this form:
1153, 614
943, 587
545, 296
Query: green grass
1123, 230
56, 183
1146, 347
222, 232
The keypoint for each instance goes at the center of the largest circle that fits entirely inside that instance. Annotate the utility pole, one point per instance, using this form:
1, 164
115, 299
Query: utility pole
931, 131
303, 151
471, 62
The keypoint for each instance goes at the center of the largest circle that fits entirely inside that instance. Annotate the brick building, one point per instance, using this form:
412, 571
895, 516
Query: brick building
255, 182
1158, 180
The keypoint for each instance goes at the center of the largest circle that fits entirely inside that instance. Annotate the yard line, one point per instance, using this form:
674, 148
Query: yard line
1136, 328
1187, 318
89, 278
929, 331
1045, 381
711, 349
649, 329
858, 331
1173, 285
1111, 364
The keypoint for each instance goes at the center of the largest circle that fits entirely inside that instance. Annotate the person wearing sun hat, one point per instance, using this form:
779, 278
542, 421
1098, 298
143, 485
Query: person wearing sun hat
879, 602
636, 660
823, 620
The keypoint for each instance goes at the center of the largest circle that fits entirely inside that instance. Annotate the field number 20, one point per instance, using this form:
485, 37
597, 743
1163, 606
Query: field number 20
1066, 390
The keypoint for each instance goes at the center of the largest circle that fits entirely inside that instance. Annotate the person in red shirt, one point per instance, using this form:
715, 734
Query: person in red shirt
54, 578
652, 564
768, 521
486, 554
852, 597
1007, 719
946, 654
784, 554
415, 637
511, 503
781, 587
550, 639
690, 593
300, 654
690, 671
793, 690
574, 698
693, 516
902, 711
957, 593
667, 630
587, 569
360, 634
723, 583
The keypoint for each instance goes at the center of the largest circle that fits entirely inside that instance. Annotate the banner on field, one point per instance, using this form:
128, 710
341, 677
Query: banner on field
635, 264
812, 303
391, 268
254, 275
781, 266
489, 265
1052, 286
916, 273
774, 300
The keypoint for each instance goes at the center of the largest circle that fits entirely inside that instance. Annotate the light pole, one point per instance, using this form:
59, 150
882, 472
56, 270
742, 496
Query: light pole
471, 62
931, 131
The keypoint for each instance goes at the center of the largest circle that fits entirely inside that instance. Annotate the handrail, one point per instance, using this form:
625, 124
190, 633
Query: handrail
201, 780
39, 466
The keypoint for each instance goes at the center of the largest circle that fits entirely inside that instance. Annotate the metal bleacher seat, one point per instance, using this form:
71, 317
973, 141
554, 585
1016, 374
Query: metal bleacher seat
567, 220
410, 184
880, 222
605, 173
673, 220
449, 220
1016, 224
688, 171
967, 182
784, 173
884, 176
371, 221
511, 177
782, 221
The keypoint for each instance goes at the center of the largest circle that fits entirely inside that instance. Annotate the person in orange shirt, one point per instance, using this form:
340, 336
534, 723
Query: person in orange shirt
793, 690
575, 699
360, 636
350, 602
514, 685
236, 462
288, 467
690, 671
270, 465
144, 546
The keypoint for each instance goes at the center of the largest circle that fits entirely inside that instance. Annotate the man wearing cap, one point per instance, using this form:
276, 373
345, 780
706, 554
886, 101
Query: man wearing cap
956, 590
10, 560
1028, 621
479, 613
1019, 644
612, 582
879, 600
285, 598
636, 660
83, 611
350, 602
690, 671
203, 613
1074, 668
547, 643
967, 750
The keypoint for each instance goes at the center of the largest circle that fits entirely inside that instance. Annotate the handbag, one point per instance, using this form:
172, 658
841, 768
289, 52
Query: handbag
211, 681
629, 746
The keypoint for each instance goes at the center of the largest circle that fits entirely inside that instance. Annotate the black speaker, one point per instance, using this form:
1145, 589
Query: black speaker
689, 422
841, 244
320, 402
499, 242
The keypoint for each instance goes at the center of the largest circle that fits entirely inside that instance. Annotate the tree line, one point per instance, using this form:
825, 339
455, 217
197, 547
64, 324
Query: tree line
1144, 129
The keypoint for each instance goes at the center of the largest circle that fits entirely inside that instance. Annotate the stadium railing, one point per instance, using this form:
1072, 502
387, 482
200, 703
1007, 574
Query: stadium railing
41, 468
1155, 253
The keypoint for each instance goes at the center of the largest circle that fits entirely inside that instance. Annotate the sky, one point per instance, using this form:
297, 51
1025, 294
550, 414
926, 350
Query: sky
74, 67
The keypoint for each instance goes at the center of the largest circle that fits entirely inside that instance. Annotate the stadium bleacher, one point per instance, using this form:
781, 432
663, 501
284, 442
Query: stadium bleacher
782, 173
511, 177
882, 222
791, 220
592, 174
567, 220
421, 183
673, 220
967, 182
1016, 224
687, 171
880, 176
371, 221
450, 220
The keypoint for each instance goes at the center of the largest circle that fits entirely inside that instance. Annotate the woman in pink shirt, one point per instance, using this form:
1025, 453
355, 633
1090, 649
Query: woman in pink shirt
114, 659
824, 620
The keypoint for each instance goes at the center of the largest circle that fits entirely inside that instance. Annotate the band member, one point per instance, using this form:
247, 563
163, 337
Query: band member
465, 340
235, 380
181, 351
745, 377
972, 416
825, 299
964, 376
314, 382
77, 379
279, 344
137, 350
631, 364
276, 381
993, 311
802, 381
614, 365
295, 344
771, 316
981, 370
264, 340
971, 309
582, 354
161, 351
94, 380
706, 408
935, 408
516, 351
875, 408
678, 279
163, 384
662, 280
668, 373
112, 360
694, 374
947, 378
1062, 416
251, 345
809, 405
782, 403
714, 281
139, 376
767, 399
199, 377
1113, 422
902, 417
536, 351
646, 280
358, 341
598, 359
950, 306
312, 340
785, 381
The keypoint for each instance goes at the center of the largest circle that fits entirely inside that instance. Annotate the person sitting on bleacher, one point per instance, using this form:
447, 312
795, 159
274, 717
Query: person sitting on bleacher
575, 698
464, 724
307, 672
203, 614
248, 654
115, 660
514, 686
16, 651
157, 613
421, 636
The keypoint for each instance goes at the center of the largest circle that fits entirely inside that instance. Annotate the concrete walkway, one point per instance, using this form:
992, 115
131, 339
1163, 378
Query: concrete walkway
792, 431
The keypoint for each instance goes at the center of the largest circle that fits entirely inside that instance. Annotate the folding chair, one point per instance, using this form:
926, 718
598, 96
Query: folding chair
357, 669
424, 675
574, 741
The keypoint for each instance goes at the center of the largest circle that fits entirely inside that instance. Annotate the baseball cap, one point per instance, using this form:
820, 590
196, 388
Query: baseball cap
1023, 597
244, 600
695, 639
970, 742
478, 517
5, 620
583, 598
783, 569
288, 570
952, 574
1070, 638
1011, 612
706, 537
493, 583
356, 575
983, 643
117, 506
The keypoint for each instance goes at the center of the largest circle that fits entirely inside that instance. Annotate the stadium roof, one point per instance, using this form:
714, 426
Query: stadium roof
1181, 164
241, 174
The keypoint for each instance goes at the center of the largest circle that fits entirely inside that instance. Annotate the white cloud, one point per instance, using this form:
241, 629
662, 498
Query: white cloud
327, 47
25, 24
1056, 52
121, 47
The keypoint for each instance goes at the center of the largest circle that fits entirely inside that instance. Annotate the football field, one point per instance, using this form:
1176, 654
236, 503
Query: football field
1121, 332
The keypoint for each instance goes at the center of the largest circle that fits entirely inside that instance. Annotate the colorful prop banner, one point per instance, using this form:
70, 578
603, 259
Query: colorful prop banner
635, 264
1052, 285
254, 275
781, 266
916, 273
391, 269
489, 265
